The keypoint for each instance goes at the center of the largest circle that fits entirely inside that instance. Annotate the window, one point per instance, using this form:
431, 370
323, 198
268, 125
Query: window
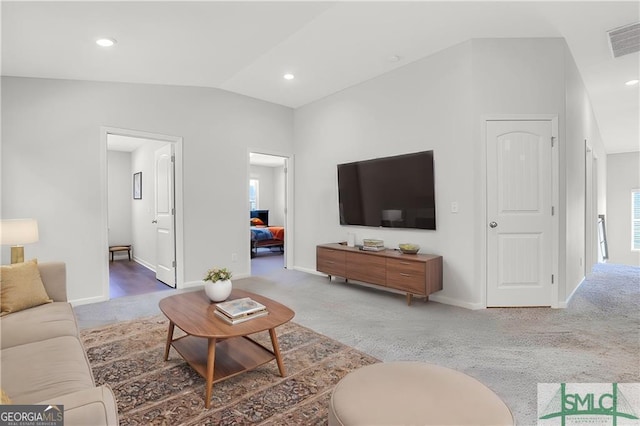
635, 219
253, 194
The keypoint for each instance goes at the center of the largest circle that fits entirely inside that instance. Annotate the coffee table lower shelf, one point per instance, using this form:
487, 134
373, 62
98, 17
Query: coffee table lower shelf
233, 356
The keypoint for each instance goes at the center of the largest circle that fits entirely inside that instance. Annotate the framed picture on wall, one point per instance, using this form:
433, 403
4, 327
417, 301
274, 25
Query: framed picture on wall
137, 186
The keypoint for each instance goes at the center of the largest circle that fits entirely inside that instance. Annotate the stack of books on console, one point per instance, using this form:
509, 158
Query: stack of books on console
240, 310
372, 245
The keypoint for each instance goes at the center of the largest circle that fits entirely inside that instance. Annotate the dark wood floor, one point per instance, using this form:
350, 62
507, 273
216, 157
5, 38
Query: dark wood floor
128, 278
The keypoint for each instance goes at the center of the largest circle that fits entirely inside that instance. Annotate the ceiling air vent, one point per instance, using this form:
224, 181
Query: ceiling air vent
625, 40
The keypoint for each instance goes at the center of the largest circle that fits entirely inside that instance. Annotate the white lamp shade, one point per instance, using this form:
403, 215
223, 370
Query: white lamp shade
18, 231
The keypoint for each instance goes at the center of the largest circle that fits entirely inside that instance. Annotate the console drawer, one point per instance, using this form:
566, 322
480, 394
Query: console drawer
367, 268
406, 275
330, 262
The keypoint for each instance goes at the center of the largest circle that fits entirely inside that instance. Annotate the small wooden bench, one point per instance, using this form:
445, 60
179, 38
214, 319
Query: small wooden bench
113, 249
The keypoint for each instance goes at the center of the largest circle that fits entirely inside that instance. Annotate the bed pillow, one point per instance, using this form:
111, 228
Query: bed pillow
256, 221
21, 287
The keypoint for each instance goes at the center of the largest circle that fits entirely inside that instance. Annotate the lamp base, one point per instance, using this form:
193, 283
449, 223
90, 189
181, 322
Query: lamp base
17, 254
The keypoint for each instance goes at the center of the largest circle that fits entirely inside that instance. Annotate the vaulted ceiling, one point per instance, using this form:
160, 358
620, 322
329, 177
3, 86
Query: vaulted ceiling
247, 47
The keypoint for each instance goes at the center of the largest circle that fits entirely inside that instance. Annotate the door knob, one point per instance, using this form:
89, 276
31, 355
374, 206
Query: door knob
493, 224
154, 221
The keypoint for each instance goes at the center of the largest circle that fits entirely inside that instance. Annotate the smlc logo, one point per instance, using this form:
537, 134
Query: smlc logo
588, 404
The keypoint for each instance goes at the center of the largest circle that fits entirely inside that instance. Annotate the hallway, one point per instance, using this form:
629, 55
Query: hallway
129, 278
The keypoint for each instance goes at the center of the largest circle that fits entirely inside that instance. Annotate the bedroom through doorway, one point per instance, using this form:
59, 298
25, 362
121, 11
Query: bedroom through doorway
267, 212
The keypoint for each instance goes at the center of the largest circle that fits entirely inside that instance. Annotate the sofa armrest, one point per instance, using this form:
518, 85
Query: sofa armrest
54, 278
93, 406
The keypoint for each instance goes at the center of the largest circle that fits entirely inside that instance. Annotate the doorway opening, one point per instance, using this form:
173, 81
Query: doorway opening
143, 205
268, 212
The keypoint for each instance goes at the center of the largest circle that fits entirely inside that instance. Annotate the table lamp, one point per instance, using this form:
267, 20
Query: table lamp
15, 232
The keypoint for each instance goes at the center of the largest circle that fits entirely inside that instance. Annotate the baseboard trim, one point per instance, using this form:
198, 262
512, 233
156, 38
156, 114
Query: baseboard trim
563, 305
192, 284
145, 264
455, 302
200, 283
88, 300
240, 276
309, 271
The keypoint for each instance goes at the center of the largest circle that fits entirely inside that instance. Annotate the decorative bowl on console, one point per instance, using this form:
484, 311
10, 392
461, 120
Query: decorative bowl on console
408, 248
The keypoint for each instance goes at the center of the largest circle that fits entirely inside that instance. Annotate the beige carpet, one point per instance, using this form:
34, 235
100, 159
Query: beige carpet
128, 356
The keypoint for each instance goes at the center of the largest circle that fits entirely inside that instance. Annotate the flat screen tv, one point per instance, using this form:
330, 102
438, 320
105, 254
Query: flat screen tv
393, 192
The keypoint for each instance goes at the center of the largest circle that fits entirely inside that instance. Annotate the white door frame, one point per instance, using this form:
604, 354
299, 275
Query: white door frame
179, 236
555, 186
288, 214
591, 209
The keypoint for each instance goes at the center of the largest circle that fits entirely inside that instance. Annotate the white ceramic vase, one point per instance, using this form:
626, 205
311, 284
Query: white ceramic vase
218, 291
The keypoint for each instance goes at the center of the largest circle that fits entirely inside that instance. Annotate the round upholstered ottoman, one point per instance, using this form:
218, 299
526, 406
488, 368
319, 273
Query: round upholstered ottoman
414, 393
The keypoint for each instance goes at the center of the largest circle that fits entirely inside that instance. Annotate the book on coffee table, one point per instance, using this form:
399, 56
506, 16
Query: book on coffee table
240, 307
242, 318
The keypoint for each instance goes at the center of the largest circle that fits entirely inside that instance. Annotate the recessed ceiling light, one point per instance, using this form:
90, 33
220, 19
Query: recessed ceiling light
289, 76
105, 42
631, 82
394, 58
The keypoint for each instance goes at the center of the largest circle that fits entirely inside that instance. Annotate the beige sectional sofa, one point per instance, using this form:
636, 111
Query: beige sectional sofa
43, 361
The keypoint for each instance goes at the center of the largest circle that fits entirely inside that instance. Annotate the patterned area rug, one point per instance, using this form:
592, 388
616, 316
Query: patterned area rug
128, 357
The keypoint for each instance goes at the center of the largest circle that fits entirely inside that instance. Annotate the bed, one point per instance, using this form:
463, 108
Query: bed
263, 234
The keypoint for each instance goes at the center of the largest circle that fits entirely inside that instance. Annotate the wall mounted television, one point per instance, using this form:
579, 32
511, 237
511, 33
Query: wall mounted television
393, 192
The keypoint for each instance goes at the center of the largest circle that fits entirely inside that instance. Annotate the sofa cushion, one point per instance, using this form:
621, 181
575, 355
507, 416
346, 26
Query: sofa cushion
38, 323
21, 287
45, 370
95, 406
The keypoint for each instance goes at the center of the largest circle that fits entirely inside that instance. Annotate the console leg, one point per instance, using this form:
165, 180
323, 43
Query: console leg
409, 297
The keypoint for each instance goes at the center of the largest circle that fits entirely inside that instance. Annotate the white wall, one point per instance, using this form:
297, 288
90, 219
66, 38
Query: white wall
265, 187
522, 77
119, 198
423, 106
51, 170
623, 176
279, 197
580, 134
435, 103
438, 103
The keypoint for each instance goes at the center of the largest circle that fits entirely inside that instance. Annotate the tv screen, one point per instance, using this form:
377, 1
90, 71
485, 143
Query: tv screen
393, 192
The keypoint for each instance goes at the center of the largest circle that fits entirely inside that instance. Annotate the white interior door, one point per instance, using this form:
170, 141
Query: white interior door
165, 213
519, 212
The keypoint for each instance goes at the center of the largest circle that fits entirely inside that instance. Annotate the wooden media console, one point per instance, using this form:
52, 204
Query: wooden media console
414, 274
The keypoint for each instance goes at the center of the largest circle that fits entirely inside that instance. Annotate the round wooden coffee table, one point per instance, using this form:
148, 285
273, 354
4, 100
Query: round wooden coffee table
218, 350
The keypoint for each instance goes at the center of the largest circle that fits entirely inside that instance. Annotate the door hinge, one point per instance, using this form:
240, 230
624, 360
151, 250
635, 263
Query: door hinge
173, 158
286, 169
552, 139
552, 278
553, 210
173, 263
173, 211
